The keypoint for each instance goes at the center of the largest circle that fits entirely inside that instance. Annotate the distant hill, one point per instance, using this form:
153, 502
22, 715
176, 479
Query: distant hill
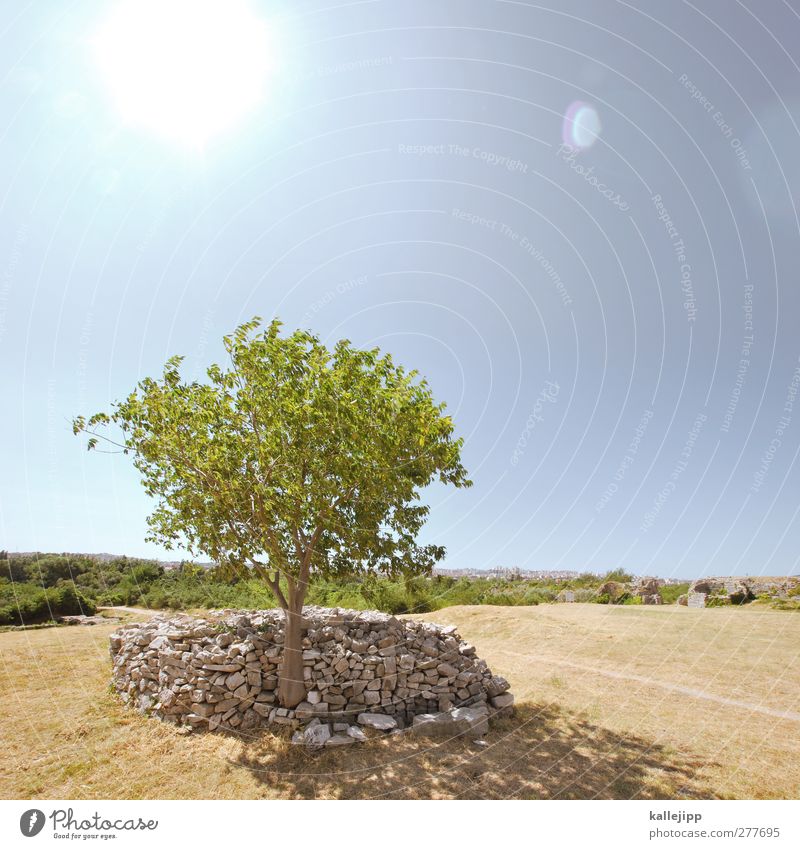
105, 557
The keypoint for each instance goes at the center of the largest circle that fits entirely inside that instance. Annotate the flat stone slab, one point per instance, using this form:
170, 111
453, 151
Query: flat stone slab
471, 720
357, 734
340, 740
316, 736
468, 721
379, 721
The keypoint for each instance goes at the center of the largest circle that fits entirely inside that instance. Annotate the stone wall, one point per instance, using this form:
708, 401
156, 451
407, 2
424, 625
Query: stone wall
222, 672
740, 590
648, 590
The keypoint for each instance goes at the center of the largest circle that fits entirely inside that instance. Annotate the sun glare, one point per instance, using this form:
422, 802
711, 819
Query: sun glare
186, 70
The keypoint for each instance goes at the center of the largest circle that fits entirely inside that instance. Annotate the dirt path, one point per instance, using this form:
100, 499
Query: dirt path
143, 610
664, 685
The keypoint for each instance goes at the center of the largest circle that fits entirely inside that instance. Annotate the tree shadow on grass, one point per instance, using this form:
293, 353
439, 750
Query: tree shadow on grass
542, 753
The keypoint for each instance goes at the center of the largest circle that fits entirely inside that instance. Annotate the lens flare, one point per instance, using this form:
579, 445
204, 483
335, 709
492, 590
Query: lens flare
581, 126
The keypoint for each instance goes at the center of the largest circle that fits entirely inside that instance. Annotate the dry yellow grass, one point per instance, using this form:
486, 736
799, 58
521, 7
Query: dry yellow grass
613, 702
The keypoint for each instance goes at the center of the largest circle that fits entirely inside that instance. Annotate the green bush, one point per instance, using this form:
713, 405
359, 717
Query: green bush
25, 581
718, 601
27, 604
618, 575
584, 580
388, 596
786, 604
584, 596
671, 592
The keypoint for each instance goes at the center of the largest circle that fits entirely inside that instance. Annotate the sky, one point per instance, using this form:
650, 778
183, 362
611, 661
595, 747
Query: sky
575, 218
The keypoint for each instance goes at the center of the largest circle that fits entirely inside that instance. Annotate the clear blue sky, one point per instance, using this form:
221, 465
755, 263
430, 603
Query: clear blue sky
586, 315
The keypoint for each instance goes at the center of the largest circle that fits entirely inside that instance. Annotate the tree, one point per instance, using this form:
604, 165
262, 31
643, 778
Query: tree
49, 569
296, 462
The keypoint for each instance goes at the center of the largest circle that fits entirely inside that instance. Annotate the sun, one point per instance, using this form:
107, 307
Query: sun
186, 70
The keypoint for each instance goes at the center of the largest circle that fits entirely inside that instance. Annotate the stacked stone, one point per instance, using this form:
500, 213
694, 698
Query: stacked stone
222, 672
740, 590
648, 590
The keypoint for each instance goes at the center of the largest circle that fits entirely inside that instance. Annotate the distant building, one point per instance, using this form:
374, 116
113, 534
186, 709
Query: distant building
514, 574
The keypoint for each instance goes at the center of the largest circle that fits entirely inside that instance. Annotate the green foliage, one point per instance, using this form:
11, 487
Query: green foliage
585, 595
128, 581
46, 570
119, 580
132, 581
130, 585
26, 604
786, 603
584, 580
145, 583
14, 569
618, 575
297, 463
718, 601
186, 592
671, 592
388, 595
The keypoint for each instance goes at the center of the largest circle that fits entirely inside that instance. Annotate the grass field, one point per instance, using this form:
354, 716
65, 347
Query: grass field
613, 702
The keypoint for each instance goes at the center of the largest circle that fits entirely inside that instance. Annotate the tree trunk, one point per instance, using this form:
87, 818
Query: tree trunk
291, 686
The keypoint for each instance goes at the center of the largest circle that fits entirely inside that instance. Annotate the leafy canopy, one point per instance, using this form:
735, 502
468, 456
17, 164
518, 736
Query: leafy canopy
295, 459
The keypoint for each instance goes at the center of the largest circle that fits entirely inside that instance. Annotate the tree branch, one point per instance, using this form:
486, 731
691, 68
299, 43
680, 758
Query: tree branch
275, 586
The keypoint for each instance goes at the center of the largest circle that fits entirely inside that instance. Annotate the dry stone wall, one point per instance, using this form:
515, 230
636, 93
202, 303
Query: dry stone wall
362, 669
